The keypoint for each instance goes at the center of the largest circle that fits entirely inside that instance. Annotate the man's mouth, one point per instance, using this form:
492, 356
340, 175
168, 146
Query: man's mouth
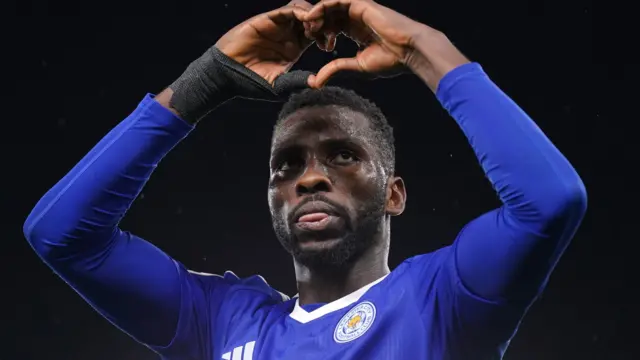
315, 221
316, 216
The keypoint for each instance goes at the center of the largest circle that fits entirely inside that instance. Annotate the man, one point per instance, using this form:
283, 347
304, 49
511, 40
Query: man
332, 191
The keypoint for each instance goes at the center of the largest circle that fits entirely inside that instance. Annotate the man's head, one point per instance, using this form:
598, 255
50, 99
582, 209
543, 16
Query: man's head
332, 185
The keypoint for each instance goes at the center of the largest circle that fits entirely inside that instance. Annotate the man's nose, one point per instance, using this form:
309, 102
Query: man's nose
313, 180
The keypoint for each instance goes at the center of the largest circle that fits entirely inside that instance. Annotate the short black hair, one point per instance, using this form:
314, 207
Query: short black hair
381, 131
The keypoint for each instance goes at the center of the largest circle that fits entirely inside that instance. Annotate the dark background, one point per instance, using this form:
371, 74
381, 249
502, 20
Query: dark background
76, 69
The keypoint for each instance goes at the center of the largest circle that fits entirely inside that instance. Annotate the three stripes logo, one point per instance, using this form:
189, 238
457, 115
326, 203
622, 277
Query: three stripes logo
241, 352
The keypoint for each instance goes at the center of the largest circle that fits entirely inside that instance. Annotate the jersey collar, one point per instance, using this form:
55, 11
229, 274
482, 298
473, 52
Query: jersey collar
303, 316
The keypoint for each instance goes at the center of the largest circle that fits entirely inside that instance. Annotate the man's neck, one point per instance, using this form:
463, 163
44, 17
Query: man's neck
326, 286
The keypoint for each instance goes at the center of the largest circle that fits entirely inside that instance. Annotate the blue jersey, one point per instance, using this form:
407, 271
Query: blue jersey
464, 301
418, 311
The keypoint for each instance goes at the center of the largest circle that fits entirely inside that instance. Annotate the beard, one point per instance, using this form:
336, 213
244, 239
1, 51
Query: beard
357, 237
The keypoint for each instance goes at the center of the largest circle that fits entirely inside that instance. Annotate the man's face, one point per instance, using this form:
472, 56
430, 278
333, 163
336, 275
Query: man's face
327, 189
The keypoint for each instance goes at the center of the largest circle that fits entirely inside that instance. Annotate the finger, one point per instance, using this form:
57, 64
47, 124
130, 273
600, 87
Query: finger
311, 80
323, 7
301, 4
289, 17
335, 66
358, 13
346, 16
318, 37
285, 15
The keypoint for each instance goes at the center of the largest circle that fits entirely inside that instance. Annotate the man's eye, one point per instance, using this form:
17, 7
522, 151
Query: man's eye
284, 166
287, 165
344, 157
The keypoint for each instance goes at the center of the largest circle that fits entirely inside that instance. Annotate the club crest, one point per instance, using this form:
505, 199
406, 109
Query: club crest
355, 323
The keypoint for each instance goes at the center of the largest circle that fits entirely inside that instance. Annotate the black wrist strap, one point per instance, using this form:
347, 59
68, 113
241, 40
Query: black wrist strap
215, 78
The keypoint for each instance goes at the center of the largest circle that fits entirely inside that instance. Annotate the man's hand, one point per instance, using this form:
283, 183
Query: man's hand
251, 61
270, 43
388, 40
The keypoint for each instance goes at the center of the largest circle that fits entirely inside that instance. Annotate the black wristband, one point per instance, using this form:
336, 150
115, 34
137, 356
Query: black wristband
215, 78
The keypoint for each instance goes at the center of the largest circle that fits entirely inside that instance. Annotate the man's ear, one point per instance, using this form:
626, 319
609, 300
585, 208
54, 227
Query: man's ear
396, 196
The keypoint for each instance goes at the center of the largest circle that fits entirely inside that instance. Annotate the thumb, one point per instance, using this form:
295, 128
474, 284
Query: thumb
335, 66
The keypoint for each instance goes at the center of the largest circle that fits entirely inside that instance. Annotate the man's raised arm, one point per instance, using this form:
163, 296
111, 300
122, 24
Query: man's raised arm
74, 227
507, 254
501, 261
